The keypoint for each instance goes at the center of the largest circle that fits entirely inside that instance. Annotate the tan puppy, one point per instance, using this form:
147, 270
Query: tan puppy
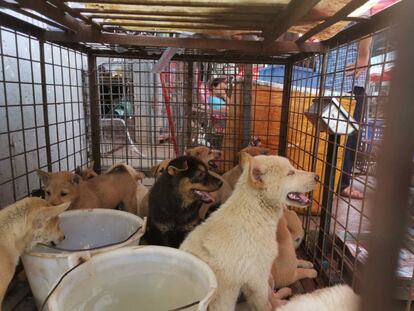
338, 298
205, 154
286, 268
86, 173
23, 225
232, 176
117, 185
238, 240
295, 227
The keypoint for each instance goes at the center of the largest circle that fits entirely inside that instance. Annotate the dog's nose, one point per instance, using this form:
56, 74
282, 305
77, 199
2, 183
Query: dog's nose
220, 183
316, 178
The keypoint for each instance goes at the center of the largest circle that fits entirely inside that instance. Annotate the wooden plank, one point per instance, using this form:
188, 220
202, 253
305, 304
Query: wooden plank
377, 22
183, 25
228, 19
191, 43
340, 15
192, 3
288, 17
183, 11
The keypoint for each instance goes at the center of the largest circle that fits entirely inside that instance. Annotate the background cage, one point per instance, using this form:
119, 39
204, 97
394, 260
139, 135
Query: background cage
69, 97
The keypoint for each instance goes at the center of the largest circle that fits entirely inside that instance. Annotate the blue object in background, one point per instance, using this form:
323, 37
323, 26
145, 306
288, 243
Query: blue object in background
302, 77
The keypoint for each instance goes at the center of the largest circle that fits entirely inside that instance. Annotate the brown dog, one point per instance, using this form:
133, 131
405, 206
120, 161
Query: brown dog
117, 185
286, 268
22, 225
206, 155
232, 176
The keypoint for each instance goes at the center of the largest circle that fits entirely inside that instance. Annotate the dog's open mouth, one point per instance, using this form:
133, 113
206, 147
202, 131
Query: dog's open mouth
203, 196
213, 164
299, 198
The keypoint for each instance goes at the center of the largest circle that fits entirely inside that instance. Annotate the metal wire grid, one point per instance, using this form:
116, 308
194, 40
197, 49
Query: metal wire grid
336, 226
147, 117
42, 121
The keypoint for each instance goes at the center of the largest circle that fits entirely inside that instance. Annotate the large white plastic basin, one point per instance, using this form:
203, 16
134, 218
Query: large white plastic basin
144, 278
84, 229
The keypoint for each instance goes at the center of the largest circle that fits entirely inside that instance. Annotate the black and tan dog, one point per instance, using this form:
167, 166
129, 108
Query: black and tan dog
175, 200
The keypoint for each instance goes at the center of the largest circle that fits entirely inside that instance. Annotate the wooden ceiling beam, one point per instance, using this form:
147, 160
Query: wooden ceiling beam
338, 16
55, 14
379, 21
182, 25
61, 4
228, 19
191, 3
292, 14
185, 11
254, 47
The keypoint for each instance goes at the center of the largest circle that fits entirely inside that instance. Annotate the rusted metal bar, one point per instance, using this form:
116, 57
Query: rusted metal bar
294, 12
287, 83
254, 47
189, 101
45, 108
16, 8
219, 57
340, 15
55, 14
391, 199
95, 115
11, 22
247, 103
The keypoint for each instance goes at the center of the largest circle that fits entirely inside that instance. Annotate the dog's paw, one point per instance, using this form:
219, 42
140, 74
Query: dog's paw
312, 273
305, 264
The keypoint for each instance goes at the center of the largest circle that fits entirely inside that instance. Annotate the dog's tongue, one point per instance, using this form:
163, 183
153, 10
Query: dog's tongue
204, 196
299, 197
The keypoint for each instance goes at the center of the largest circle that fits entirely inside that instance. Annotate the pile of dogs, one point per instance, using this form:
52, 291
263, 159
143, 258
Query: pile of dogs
238, 222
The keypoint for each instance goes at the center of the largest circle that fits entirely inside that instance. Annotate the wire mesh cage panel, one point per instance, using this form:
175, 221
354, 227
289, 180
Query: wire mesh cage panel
356, 76
42, 112
146, 117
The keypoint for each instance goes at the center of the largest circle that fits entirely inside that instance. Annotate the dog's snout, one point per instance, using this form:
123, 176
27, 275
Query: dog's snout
220, 183
316, 178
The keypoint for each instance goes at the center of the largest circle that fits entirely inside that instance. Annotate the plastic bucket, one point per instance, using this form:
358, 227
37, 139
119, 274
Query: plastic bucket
87, 232
144, 278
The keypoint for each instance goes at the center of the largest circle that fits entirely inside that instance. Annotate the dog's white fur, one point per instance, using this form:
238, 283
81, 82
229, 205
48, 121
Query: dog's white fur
238, 241
336, 298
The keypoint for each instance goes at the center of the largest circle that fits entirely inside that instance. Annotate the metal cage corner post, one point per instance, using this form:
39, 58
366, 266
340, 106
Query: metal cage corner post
94, 110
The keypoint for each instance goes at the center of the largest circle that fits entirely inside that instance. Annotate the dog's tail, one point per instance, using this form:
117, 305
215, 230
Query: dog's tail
122, 167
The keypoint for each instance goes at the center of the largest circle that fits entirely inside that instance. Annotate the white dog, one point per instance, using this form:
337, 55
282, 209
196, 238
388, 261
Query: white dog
238, 241
336, 298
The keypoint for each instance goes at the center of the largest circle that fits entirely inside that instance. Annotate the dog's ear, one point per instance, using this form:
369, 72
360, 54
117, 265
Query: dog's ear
192, 152
41, 215
175, 168
255, 173
76, 179
140, 175
44, 176
244, 159
78, 170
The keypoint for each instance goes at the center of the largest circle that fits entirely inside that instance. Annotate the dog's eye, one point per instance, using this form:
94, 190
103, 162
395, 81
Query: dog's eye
199, 174
63, 194
291, 173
